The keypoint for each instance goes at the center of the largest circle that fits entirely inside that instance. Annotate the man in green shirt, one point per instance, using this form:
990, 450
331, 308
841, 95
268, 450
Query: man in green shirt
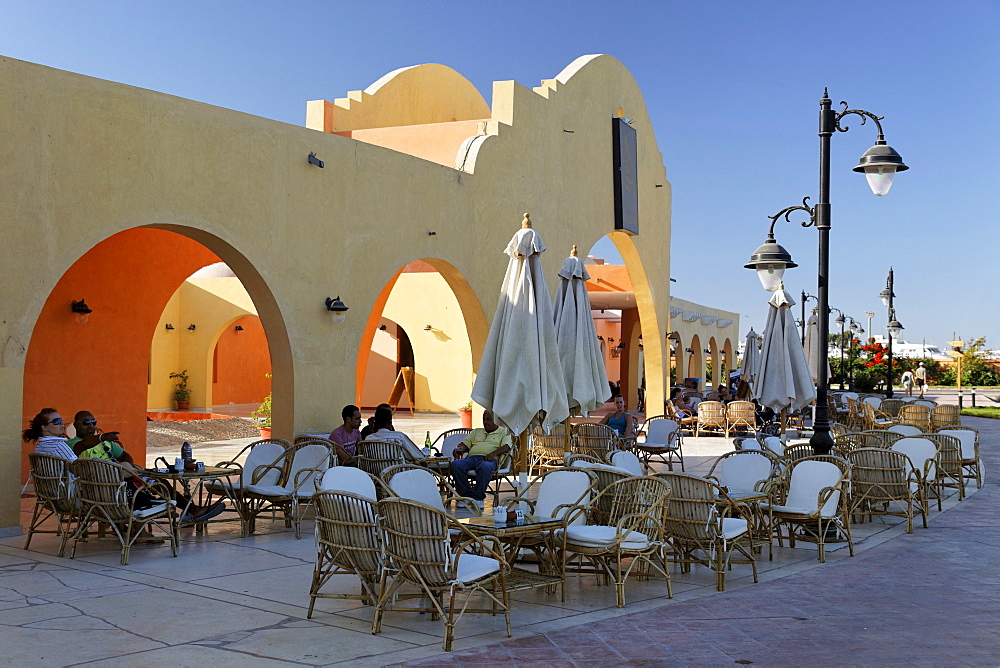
90, 443
483, 447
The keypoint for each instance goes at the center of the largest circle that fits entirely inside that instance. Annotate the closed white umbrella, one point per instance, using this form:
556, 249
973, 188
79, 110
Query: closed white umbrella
751, 359
783, 380
520, 378
812, 347
579, 350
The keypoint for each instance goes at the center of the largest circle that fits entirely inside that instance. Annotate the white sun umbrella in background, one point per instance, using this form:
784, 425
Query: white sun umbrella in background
811, 346
783, 380
751, 358
520, 378
579, 350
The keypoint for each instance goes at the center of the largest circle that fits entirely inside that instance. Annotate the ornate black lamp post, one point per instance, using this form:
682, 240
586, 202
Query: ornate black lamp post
802, 323
893, 327
879, 164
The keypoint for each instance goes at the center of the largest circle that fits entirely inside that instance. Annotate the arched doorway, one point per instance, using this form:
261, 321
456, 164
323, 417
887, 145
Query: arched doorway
426, 318
103, 365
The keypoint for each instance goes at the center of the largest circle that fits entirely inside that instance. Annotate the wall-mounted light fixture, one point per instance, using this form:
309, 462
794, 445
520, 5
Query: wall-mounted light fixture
621, 345
688, 350
337, 309
191, 328
238, 328
168, 327
313, 160
600, 338
82, 311
707, 351
382, 328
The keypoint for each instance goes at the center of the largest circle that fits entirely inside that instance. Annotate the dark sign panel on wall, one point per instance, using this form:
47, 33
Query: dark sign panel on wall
625, 175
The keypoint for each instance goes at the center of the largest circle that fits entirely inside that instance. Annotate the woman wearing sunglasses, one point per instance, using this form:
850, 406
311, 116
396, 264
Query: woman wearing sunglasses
48, 433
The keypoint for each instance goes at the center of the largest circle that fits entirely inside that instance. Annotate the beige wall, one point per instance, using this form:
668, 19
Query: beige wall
83, 159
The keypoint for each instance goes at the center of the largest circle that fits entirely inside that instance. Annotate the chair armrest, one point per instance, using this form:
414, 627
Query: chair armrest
259, 472
511, 499
300, 480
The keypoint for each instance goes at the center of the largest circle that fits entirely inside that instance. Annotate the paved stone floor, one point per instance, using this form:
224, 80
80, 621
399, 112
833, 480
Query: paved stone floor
926, 598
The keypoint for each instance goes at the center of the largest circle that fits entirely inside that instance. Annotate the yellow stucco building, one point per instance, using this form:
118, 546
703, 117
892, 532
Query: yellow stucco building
115, 195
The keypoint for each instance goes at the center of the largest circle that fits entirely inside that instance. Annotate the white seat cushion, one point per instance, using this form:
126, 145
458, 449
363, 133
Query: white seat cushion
348, 479
967, 439
602, 536
562, 487
733, 527
269, 490
472, 567
628, 461
743, 472
808, 478
791, 510
417, 485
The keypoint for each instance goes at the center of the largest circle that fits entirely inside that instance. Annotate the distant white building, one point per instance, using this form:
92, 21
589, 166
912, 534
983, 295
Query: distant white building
914, 350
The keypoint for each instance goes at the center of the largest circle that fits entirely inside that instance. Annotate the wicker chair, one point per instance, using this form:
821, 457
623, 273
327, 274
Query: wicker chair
811, 495
632, 531
883, 438
376, 456
663, 440
596, 440
418, 546
267, 452
885, 482
446, 442
972, 465
627, 460
409, 481
917, 415
293, 492
741, 414
604, 475
547, 451
949, 464
559, 493
700, 532
797, 451
923, 455
102, 489
711, 415
348, 540
873, 418
945, 416
54, 496
891, 407
906, 430
745, 470
685, 418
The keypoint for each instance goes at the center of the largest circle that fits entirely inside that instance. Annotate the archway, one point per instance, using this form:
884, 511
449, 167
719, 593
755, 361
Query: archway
696, 357
429, 306
102, 366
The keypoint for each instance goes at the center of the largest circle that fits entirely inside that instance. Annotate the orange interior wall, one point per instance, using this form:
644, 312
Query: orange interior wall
243, 363
102, 366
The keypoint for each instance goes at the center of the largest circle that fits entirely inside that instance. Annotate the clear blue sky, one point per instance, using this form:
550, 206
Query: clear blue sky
732, 89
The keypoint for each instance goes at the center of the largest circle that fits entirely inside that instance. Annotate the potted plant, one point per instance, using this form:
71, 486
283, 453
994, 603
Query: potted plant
466, 413
263, 417
182, 393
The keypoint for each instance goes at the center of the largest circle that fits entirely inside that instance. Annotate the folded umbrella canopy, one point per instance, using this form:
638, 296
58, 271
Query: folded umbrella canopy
812, 347
783, 379
751, 358
520, 378
579, 351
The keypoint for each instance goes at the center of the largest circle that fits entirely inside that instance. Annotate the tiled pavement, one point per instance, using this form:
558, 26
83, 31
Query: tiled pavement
926, 598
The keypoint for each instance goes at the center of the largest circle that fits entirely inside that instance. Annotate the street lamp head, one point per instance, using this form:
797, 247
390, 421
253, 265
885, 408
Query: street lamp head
855, 327
894, 328
770, 261
840, 320
879, 165
886, 296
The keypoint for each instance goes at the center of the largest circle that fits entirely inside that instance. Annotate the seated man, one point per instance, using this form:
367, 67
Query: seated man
483, 447
345, 437
383, 431
90, 442
370, 428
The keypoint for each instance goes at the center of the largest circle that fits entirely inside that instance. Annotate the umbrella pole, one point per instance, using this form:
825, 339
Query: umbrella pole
567, 439
784, 420
522, 463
